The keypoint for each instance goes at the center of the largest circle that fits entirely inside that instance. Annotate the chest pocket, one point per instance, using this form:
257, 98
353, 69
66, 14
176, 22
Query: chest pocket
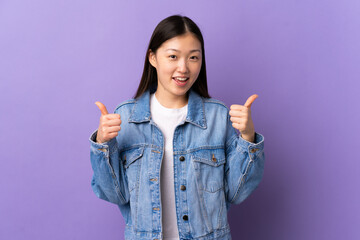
209, 168
131, 159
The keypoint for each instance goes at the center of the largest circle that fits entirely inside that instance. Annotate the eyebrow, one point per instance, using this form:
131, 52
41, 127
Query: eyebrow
194, 50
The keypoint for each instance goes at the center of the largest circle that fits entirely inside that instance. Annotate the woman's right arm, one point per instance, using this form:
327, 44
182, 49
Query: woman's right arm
108, 181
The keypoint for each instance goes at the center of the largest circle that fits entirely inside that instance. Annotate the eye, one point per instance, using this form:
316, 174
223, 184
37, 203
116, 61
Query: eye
172, 56
195, 57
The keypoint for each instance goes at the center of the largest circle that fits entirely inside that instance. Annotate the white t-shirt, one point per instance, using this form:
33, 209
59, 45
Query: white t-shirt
167, 119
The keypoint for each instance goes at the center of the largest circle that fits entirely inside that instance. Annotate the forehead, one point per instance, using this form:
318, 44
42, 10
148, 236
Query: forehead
186, 42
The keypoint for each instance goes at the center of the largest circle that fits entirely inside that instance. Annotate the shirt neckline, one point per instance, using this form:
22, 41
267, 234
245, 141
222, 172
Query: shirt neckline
155, 101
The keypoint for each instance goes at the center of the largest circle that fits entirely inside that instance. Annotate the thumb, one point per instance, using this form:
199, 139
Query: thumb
102, 108
250, 100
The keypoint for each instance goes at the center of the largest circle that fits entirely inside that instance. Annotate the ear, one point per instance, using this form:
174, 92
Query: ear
152, 58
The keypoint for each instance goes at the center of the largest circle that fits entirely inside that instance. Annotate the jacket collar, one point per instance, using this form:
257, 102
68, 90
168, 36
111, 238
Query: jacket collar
195, 113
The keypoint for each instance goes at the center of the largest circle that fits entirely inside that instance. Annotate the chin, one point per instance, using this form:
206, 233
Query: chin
179, 94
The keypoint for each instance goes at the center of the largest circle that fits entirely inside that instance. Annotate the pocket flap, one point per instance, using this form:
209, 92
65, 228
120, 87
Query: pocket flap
213, 157
131, 155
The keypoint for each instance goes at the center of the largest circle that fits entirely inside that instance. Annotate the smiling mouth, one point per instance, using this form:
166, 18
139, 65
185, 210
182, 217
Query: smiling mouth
181, 79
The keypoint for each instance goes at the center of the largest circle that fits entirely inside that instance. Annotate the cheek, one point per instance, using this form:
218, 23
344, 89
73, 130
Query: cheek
166, 69
195, 69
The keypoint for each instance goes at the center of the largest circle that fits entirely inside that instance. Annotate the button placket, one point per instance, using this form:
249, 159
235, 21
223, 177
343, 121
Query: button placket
183, 187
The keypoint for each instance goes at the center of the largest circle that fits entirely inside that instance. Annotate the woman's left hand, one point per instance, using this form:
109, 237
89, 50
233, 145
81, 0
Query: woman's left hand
240, 116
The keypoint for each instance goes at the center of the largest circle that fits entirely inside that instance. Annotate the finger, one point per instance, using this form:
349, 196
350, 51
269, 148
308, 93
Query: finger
237, 113
112, 116
237, 107
102, 108
112, 122
112, 135
250, 100
237, 120
113, 129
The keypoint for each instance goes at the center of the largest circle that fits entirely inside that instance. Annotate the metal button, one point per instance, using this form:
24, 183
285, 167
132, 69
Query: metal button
182, 187
254, 150
213, 158
185, 217
182, 158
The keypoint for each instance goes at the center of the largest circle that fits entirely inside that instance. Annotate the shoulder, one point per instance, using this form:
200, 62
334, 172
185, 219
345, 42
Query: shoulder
125, 105
215, 103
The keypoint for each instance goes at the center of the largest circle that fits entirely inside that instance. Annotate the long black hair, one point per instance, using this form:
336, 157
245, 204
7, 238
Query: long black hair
168, 28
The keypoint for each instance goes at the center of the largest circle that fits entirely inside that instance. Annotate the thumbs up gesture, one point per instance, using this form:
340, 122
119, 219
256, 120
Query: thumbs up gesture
240, 116
109, 125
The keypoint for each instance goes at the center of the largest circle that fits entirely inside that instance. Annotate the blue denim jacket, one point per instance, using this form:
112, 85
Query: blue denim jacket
217, 167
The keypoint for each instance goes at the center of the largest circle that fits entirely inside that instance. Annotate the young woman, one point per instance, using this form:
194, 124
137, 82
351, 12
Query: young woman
170, 157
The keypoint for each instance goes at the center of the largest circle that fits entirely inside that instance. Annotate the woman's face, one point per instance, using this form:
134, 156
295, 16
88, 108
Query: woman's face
177, 57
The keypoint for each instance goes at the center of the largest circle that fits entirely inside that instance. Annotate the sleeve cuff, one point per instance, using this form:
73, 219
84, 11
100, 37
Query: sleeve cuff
258, 144
104, 147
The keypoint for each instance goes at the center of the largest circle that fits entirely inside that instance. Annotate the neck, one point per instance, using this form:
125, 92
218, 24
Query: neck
171, 101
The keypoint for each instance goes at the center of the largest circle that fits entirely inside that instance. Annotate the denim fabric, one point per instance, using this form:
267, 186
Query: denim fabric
217, 167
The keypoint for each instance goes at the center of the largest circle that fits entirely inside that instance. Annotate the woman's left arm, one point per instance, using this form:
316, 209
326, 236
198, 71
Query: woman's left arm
245, 154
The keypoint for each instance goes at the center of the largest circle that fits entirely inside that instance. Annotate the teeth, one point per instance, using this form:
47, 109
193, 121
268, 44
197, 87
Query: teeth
181, 79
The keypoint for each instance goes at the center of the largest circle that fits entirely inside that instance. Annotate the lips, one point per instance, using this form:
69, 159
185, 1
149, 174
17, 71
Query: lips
180, 83
181, 79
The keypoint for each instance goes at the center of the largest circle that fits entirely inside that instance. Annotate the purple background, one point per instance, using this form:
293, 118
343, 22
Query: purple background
301, 57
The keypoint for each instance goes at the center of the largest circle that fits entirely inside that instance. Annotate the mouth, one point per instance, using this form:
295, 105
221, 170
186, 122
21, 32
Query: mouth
180, 81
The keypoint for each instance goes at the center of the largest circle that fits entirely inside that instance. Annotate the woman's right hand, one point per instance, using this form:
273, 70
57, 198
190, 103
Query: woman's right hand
109, 125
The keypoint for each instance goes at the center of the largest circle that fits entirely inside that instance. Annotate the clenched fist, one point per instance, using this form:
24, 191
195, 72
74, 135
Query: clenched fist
241, 118
109, 125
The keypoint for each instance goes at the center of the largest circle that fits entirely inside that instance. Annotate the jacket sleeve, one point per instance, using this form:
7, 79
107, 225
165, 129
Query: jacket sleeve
108, 181
244, 165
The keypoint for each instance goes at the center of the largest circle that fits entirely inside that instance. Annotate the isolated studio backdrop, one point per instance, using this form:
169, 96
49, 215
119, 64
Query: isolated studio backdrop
301, 57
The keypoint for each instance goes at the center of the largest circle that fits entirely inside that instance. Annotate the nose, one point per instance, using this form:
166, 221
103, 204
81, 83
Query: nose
182, 67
